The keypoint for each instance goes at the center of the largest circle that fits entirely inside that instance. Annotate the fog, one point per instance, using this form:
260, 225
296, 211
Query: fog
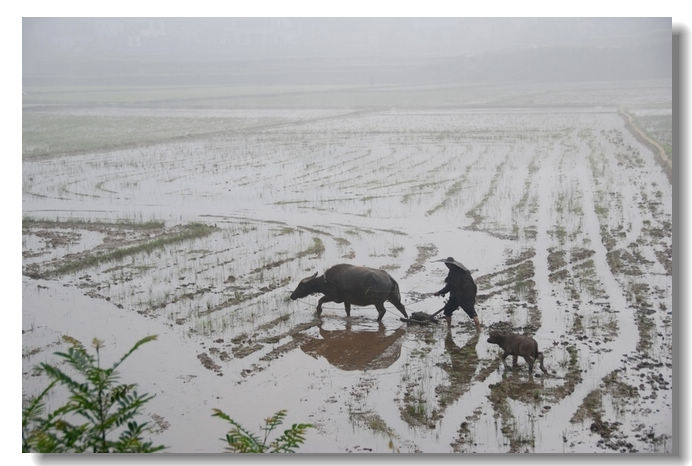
180, 177
342, 51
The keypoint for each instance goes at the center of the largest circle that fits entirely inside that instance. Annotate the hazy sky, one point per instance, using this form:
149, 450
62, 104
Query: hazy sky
99, 47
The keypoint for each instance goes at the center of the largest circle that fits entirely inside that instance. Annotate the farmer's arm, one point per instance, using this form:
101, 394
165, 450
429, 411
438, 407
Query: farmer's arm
443, 291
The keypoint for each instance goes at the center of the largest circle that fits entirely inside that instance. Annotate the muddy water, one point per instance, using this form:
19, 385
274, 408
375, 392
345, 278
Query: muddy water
564, 246
553, 440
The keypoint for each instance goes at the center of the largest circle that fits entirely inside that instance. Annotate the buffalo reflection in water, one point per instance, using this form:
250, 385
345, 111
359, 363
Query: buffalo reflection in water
352, 350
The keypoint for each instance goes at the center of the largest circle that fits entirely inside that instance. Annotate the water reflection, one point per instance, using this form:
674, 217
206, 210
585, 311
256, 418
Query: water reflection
461, 368
351, 350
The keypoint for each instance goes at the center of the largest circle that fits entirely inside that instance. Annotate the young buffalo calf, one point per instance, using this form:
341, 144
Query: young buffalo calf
518, 345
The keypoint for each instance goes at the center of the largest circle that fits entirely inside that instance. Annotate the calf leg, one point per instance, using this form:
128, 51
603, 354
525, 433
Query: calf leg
380, 311
504, 358
540, 361
529, 360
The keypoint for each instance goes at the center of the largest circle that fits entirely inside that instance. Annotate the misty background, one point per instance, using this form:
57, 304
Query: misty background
342, 51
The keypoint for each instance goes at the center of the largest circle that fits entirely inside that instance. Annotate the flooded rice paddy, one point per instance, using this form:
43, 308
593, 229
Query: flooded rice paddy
195, 224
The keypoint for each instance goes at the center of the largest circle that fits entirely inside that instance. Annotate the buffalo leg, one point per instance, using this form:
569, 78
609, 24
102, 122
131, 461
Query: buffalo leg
380, 311
347, 306
504, 359
515, 358
323, 299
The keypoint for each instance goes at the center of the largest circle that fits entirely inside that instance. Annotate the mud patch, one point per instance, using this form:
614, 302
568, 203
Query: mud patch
161, 423
425, 252
591, 409
373, 422
209, 363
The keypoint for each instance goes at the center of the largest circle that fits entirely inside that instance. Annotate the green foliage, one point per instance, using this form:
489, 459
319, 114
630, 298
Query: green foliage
240, 440
98, 408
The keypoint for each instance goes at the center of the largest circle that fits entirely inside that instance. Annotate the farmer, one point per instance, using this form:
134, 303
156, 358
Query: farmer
462, 291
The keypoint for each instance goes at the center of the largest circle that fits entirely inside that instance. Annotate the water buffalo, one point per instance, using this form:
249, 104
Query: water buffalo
518, 345
351, 284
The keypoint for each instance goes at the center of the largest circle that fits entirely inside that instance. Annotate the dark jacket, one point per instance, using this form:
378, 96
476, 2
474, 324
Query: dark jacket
460, 285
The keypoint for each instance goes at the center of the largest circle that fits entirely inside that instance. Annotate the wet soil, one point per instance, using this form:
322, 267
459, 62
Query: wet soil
566, 227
